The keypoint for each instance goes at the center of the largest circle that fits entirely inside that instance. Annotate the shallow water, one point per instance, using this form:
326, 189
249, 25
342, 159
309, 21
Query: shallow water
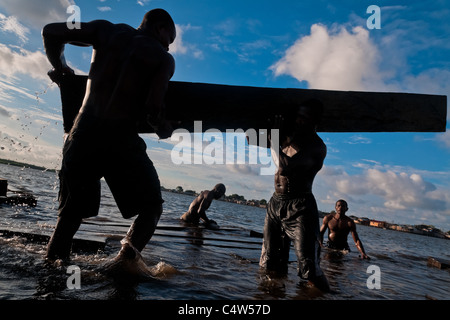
196, 263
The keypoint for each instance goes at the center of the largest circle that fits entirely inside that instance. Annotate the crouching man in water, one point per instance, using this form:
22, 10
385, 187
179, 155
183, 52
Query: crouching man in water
292, 213
340, 226
128, 80
198, 207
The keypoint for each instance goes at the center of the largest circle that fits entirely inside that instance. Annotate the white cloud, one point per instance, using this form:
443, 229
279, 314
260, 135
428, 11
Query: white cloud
104, 9
444, 139
34, 64
228, 27
339, 60
8, 89
388, 190
142, 2
180, 47
11, 24
358, 139
359, 60
38, 13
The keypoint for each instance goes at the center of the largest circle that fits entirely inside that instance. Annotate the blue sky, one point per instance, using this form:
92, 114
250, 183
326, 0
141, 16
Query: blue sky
397, 177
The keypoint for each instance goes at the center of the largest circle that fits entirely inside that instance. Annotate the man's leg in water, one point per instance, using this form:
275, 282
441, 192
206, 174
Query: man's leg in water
143, 228
304, 232
79, 196
134, 183
276, 245
60, 243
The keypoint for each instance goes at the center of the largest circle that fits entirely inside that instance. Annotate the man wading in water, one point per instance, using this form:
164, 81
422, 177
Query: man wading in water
292, 213
340, 226
128, 80
198, 207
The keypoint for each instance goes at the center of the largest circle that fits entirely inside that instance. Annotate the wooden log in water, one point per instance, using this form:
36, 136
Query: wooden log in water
438, 263
16, 199
3, 187
87, 244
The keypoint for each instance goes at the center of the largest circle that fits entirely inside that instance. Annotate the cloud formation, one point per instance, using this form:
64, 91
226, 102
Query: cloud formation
180, 47
15, 61
395, 189
335, 59
37, 13
12, 25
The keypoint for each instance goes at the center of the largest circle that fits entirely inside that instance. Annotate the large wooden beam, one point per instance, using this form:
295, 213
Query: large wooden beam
232, 107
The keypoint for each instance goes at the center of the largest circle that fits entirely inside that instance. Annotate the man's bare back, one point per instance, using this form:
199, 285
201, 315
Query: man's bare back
125, 62
198, 207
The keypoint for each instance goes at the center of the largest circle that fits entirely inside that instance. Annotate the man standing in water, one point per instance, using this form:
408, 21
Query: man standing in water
198, 207
292, 213
340, 226
128, 80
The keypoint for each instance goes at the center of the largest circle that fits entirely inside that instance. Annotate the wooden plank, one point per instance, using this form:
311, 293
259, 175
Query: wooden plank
438, 263
85, 244
239, 107
3, 187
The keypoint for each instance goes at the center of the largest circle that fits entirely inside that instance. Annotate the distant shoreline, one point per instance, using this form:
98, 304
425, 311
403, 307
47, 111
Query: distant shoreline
425, 230
23, 164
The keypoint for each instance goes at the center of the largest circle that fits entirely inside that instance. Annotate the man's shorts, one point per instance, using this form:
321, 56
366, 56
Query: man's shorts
338, 246
123, 162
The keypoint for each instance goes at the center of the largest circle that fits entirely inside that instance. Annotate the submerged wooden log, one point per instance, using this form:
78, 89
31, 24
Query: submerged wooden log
17, 198
86, 244
3, 187
239, 107
438, 263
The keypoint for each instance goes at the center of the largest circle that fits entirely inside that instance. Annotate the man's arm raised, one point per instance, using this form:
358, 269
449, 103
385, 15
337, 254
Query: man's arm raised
56, 35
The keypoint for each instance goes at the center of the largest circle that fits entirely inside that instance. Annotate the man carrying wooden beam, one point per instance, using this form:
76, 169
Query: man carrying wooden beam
128, 80
292, 214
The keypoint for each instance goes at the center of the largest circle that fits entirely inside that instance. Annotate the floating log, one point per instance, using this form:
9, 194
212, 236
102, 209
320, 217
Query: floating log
17, 199
91, 244
241, 107
438, 263
3, 187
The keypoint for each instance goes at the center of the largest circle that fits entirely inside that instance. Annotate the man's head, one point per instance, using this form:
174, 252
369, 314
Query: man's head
341, 206
219, 190
159, 24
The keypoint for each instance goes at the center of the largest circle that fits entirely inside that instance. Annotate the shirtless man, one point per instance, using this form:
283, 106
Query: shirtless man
198, 207
340, 226
292, 213
128, 80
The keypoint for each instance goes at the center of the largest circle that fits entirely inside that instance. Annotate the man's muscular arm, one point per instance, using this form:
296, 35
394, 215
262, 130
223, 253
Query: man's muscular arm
56, 35
155, 101
323, 228
358, 242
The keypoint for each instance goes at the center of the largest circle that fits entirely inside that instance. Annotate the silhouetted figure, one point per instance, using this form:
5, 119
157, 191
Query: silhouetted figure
198, 207
128, 80
292, 213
